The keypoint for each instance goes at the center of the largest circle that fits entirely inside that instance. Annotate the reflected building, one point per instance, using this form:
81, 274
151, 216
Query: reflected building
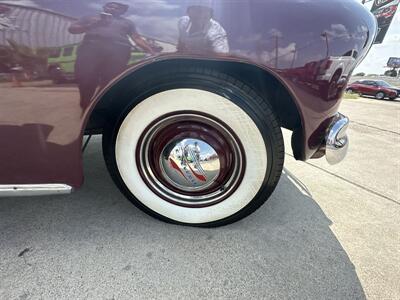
38, 41
26, 35
22, 25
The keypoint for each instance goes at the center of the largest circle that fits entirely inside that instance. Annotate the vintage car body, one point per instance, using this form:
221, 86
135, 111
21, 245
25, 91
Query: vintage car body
275, 46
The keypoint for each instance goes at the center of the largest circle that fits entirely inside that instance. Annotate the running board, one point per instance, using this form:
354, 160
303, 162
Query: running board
19, 190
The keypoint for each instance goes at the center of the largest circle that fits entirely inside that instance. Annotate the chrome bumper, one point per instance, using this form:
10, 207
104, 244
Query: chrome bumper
337, 142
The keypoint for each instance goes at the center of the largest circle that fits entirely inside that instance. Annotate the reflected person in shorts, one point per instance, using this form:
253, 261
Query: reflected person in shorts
105, 50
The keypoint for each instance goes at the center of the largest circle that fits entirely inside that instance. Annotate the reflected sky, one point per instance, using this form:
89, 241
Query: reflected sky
205, 150
294, 42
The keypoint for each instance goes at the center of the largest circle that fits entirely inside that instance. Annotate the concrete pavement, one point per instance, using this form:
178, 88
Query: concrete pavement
326, 233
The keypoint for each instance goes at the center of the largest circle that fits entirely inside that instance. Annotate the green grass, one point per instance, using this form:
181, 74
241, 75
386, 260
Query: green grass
350, 96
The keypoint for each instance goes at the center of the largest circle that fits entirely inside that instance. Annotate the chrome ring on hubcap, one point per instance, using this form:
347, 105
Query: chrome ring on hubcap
190, 164
190, 159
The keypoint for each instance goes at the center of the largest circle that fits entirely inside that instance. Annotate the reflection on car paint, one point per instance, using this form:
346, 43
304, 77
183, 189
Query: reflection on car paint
37, 48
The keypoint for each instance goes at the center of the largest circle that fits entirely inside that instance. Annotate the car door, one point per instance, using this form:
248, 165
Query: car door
354, 86
374, 88
362, 87
369, 88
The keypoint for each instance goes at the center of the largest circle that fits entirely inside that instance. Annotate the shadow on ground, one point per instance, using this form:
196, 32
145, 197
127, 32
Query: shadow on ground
95, 244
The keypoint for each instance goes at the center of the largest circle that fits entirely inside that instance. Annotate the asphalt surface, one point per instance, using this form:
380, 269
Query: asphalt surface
326, 233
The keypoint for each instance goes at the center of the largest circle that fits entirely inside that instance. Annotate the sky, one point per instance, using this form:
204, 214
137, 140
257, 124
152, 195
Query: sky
378, 56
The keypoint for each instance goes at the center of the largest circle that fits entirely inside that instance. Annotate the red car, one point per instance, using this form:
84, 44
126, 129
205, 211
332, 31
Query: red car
377, 88
191, 126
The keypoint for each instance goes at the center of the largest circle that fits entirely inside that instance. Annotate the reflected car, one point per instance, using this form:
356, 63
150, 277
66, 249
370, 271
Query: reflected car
334, 72
61, 62
378, 88
192, 126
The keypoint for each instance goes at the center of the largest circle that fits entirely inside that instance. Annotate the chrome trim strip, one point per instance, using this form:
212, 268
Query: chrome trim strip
337, 142
18, 190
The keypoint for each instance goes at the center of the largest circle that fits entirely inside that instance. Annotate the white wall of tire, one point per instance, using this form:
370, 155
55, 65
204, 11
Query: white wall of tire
194, 100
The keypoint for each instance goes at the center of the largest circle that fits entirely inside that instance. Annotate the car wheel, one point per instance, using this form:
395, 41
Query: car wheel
333, 89
380, 95
350, 91
197, 148
57, 77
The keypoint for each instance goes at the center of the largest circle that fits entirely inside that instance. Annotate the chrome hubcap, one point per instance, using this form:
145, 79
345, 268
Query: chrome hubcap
190, 159
190, 164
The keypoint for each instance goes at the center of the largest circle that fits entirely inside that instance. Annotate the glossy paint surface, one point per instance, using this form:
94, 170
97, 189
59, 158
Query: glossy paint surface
311, 46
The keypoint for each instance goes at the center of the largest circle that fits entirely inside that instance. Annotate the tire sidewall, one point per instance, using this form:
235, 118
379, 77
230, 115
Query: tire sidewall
228, 89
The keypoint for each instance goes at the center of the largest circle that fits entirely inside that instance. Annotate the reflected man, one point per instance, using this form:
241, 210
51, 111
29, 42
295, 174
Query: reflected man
200, 33
106, 48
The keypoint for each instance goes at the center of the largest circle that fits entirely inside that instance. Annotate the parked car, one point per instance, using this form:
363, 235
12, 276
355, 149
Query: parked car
378, 88
397, 89
191, 135
61, 62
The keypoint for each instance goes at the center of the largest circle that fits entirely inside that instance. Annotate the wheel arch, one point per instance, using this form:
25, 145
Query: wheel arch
267, 84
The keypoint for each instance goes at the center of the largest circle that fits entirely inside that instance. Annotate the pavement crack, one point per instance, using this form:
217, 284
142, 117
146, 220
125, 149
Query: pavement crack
23, 252
351, 182
373, 127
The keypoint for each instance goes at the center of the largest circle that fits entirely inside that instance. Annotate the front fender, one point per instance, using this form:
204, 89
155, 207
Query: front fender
44, 124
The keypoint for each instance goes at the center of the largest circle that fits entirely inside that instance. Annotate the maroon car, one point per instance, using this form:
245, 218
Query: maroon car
191, 126
377, 88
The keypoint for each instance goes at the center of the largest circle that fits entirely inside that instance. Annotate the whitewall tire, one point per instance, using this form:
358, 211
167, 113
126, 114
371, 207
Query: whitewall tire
194, 156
